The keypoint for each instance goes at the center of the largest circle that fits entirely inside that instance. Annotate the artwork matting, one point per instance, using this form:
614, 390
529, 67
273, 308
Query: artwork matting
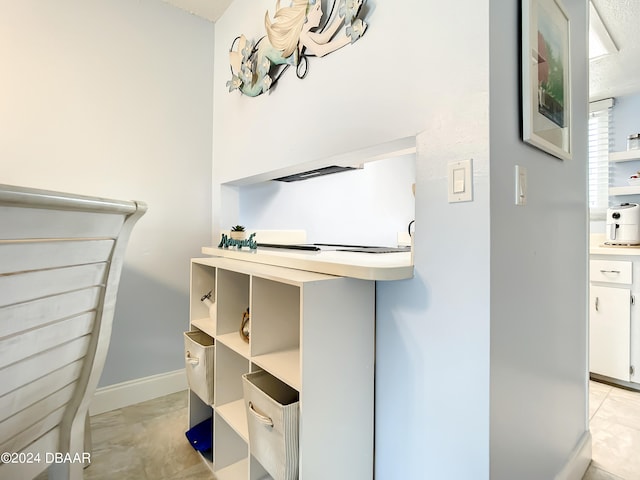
546, 80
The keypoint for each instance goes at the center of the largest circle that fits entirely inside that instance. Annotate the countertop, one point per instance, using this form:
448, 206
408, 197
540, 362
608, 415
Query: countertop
597, 247
613, 250
366, 266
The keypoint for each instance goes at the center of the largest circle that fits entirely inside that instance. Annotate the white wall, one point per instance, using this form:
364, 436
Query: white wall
626, 119
332, 111
339, 115
397, 81
452, 345
375, 204
113, 98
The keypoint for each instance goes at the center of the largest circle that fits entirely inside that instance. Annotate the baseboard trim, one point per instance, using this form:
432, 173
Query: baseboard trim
579, 460
139, 390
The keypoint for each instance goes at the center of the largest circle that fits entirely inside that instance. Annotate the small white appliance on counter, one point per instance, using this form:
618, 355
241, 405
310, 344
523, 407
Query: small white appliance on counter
623, 224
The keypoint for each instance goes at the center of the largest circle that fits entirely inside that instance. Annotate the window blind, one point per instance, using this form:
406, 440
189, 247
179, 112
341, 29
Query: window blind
600, 138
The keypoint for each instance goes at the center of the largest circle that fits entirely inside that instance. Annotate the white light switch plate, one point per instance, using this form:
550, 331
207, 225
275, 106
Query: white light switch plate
460, 183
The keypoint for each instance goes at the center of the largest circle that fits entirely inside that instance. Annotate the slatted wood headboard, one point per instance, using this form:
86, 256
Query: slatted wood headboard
61, 258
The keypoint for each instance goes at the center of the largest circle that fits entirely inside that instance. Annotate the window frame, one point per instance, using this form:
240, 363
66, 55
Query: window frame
600, 143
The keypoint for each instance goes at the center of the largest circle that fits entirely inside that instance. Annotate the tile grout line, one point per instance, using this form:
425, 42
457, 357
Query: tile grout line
600, 404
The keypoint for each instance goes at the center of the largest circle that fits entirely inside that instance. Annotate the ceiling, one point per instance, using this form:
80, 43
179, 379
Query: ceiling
611, 75
209, 9
619, 73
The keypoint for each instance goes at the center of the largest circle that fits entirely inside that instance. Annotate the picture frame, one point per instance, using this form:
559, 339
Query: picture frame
546, 77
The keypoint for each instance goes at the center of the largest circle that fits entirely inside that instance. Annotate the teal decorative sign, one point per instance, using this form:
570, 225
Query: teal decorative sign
226, 242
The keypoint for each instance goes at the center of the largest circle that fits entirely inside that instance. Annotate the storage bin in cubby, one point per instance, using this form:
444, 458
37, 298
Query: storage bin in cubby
199, 358
272, 417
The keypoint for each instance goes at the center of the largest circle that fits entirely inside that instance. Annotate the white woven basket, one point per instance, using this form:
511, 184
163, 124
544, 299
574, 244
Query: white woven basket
198, 358
272, 416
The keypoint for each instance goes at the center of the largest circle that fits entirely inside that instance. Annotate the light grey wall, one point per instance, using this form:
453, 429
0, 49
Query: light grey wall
626, 119
538, 270
113, 98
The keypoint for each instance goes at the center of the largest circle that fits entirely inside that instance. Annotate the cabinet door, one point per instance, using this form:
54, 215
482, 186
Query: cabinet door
609, 332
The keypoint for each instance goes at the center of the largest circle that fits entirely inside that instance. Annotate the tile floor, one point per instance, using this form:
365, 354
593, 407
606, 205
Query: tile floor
146, 441
614, 416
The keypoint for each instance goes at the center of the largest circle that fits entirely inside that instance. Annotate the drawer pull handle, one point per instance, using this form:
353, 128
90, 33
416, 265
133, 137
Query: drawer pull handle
261, 418
617, 272
597, 304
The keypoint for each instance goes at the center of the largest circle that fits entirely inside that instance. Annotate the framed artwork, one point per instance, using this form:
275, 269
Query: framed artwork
546, 80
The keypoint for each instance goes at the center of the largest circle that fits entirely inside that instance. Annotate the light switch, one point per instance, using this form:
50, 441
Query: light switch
458, 180
460, 176
521, 185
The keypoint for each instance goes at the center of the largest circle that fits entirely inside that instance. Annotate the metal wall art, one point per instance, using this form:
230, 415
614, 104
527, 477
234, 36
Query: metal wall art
295, 33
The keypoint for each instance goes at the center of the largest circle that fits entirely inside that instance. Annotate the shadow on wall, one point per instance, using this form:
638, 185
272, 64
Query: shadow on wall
400, 307
147, 338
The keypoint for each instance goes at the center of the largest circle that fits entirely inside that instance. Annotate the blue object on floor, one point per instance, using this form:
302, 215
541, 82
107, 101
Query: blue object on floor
200, 436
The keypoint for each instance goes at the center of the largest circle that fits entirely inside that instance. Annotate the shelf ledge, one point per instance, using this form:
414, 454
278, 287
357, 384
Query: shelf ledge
235, 343
206, 325
626, 156
629, 190
235, 414
284, 365
234, 471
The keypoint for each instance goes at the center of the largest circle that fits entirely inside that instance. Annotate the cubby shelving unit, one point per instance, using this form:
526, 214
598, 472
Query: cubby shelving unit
316, 333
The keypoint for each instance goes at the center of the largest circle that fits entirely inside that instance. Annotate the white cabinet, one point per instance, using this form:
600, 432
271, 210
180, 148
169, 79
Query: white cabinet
614, 336
609, 331
314, 332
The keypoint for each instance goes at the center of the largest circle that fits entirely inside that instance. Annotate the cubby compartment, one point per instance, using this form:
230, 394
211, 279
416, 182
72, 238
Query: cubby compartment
230, 366
275, 326
198, 413
231, 455
232, 302
203, 281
